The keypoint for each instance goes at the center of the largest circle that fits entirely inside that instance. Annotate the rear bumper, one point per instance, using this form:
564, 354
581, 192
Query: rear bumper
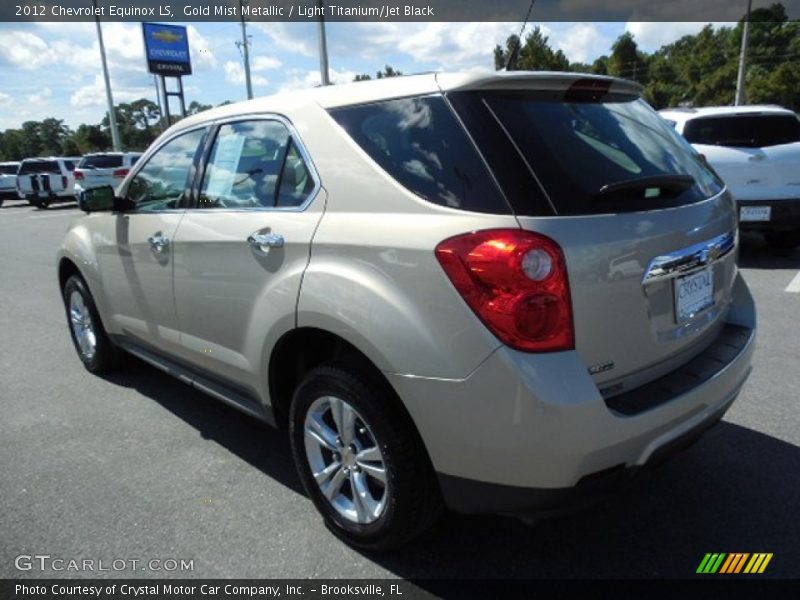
532, 433
785, 215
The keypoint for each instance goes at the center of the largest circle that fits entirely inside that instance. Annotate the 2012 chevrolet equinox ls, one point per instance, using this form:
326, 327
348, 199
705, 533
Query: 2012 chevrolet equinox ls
417, 277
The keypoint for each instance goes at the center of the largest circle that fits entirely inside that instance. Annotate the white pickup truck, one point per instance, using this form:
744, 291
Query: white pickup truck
756, 151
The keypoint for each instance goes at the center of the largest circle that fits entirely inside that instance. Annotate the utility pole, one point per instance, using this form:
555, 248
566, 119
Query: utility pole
112, 116
245, 52
740, 94
323, 46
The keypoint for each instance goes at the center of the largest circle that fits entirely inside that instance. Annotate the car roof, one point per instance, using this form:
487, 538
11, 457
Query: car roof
687, 114
387, 88
9, 162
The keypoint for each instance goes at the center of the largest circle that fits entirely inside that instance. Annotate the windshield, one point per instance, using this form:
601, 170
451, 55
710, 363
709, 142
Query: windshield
607, 155
743, 131
101, 161
39, 166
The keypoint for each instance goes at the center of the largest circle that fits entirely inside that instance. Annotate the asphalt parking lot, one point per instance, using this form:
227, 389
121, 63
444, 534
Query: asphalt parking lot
136, 465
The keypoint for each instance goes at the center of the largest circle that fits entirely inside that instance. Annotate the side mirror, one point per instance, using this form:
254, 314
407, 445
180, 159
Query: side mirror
97, 199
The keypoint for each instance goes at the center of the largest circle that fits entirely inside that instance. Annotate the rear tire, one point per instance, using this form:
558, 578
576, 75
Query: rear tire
783, 240
42, 204
380, 455
95, 349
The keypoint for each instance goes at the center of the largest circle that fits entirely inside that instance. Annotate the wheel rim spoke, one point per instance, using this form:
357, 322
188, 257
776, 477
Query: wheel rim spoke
364, 503
332, 488
377, 471
344, 417
325, 474
82, 326
340, 447
321, 433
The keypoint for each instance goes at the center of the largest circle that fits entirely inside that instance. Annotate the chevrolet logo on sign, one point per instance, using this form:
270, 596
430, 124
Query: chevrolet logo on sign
167, 36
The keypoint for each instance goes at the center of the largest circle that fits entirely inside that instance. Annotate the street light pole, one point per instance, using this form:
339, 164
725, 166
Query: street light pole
246, 53
112, 116
740, 93
323, 46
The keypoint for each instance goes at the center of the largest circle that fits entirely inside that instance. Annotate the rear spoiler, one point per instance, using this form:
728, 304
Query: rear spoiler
545, 81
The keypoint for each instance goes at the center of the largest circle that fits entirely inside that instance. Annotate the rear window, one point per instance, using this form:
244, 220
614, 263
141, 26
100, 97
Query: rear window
419, 142
100, 162
744, 131
39, 166
8, 169
600, 156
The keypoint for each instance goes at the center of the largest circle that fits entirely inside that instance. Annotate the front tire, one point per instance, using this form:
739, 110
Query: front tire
360, 459
94, 348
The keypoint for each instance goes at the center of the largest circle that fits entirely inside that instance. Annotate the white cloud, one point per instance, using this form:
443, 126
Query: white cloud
39, 99
652, 35
452, 46
299, 80
5, 99
297, 38
264, 63
25, 50
234, 73
581, 42
94, 94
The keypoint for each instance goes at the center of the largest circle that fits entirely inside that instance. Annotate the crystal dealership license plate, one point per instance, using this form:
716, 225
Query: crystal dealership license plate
755, 213
693, 293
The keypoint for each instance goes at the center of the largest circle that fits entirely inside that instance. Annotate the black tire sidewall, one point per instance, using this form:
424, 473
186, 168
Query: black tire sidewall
104, 352
361, 396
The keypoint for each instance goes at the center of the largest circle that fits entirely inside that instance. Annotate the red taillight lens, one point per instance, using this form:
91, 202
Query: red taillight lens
120, 173
78, 175
516, 282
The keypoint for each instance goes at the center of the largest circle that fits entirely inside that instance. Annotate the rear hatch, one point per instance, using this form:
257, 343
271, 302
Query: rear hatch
41, 178
647, 230
756, 154
100, 169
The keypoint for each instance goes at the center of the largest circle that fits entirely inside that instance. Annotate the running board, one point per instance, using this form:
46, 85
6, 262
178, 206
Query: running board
249, 406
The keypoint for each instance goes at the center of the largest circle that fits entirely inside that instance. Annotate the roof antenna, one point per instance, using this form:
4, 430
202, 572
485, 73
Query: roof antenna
512, 55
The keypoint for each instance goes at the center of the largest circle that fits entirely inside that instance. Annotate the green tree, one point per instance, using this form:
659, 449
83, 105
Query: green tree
91, 138
534, 55
196, 107
388, 71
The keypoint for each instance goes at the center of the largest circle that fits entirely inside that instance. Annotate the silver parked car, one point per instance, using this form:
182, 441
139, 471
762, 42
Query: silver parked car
417, 277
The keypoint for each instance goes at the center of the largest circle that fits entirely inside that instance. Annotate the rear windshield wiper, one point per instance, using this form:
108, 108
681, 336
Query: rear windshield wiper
670, 183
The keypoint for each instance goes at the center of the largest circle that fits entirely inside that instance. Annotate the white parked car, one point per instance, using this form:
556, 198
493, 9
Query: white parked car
8, 180
756, 151
44, 181
103, 168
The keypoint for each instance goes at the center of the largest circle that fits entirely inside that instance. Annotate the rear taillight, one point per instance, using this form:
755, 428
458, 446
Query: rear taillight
516, 283
120, 173
78, 175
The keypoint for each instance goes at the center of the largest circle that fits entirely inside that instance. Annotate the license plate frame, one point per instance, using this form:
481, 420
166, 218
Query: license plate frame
692, 294
755, 214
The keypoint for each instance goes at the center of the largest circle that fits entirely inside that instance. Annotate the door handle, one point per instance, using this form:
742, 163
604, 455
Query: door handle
265, 241
158, 243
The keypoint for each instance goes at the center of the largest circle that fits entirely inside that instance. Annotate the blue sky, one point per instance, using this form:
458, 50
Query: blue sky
52, 69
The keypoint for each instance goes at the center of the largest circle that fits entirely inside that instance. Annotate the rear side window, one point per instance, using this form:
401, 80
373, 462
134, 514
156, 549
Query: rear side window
602, 156
744, 131
101, 161
8, 169
69, 165
39, 166
420, 143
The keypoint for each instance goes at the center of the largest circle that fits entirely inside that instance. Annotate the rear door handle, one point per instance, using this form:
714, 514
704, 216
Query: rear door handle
158, 243
265, 241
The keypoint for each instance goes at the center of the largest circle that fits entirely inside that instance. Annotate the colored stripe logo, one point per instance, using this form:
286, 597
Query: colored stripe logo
734, 563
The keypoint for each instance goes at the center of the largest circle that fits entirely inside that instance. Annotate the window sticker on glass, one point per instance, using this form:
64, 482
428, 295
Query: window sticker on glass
227, 152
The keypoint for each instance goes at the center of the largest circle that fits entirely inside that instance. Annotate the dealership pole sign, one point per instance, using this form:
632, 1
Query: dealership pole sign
167, 49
